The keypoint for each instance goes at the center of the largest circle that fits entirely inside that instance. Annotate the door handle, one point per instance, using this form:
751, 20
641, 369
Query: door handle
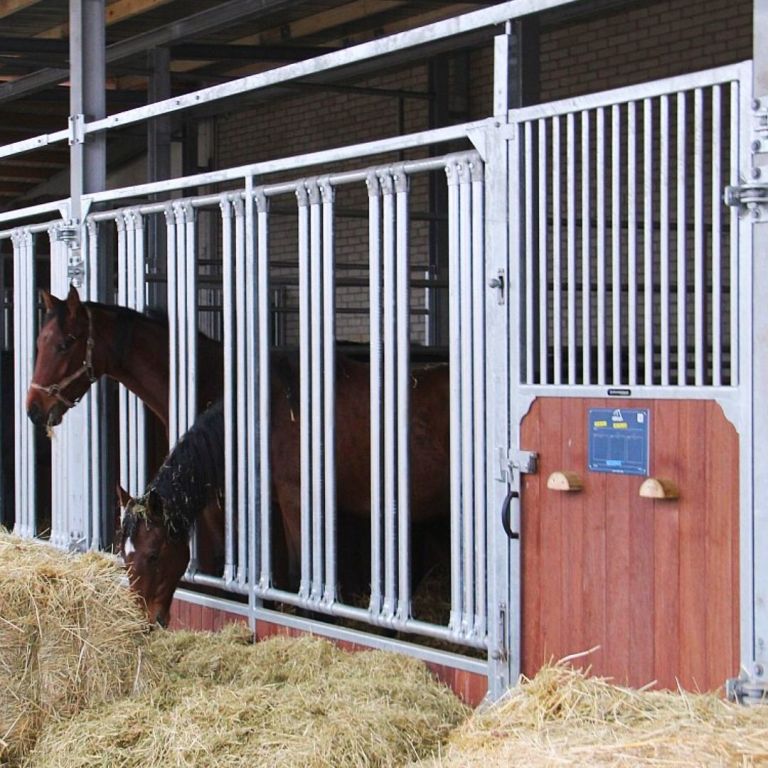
506, 515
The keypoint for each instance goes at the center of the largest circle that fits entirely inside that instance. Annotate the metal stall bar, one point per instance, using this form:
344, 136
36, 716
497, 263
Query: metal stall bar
616, 373
586, 254
389, 607
528, 153
95, 536
543, 273
682, 287
478, 289
632, 349
465, 311
648, 249
305, 291
664, 236
172, 293
176, 307
700, 351
328, 312
127, 457
571, 243
23, 324
317, 397
243, 468
557, 275
600, 237
263, 345
735, 129
251, 403
454, 360
190, 302
717, 232
403, 396
230, 362
375, 279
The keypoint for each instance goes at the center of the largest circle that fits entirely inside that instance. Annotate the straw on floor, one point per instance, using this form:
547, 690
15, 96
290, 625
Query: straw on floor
227, 702
562, 717
70, 637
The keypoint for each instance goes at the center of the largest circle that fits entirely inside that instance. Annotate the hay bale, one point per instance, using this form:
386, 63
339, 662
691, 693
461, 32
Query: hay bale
227, 702
564, 717
70, 636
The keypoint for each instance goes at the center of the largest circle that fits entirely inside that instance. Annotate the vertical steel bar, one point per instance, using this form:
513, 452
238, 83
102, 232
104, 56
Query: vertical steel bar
648, 249
682, 279
316, 301
733, 263
130, 400
390, 397
403, 328
717, 234
376, 389
182, 326
305, 288
262, 299
228, 306
190, 262
557, 275
454, 360
632, 347
19, 297
543, 273
698, 236
478, 288
529, 284
664, 234
96, 536
571, 246
173, 331
329, 391
241, 341
616, 324
586, 253
466, 411
127, 480
601, 287
139, 306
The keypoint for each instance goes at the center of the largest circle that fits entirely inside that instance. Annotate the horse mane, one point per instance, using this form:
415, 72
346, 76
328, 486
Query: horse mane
193, 474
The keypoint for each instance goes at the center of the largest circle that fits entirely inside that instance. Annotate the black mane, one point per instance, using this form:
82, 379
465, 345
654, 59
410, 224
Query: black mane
193, 474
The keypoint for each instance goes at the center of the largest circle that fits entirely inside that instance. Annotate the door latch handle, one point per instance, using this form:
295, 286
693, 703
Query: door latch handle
506, 515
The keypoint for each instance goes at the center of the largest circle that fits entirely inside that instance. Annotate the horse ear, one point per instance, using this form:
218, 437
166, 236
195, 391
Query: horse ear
73, 301
49, 301
123, 497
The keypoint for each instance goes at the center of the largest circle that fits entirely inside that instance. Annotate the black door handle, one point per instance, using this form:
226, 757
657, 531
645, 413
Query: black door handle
505, 515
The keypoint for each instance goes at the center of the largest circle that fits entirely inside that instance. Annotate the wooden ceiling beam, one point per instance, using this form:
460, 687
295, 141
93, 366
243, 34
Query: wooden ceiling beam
9, 7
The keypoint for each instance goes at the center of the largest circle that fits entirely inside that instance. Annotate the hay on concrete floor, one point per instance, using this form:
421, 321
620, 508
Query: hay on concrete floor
562, 717
70, 636
227, 702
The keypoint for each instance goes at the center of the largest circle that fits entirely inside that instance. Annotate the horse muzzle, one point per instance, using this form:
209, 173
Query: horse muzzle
50, 419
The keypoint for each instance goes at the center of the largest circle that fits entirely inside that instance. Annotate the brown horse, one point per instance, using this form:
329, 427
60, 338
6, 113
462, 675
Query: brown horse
81, 341
156, 526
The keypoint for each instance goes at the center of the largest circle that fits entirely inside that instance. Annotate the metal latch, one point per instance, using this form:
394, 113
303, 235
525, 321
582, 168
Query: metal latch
752, 196
518, 463
750, 687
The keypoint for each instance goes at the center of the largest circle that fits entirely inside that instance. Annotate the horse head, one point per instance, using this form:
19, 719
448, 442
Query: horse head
155, 555
64, 366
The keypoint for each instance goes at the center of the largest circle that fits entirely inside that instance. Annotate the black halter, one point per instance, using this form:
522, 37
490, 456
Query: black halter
86, 369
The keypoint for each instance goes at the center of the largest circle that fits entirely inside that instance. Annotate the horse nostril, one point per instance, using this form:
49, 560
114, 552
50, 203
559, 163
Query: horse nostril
35, 415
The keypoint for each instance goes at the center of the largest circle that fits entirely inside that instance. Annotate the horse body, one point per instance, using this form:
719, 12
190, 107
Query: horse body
157, 556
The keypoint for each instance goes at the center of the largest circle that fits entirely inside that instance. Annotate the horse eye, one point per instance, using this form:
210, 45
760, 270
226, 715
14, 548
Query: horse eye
67, 343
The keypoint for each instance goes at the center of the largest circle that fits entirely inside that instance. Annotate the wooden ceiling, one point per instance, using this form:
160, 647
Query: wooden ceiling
207, 42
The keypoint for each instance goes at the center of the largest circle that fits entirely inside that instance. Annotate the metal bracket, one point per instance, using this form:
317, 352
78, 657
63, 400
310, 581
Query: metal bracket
76, 129
752, 197
750, 687
523, 462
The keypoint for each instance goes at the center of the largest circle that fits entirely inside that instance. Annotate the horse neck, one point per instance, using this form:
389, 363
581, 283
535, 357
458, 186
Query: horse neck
142, 366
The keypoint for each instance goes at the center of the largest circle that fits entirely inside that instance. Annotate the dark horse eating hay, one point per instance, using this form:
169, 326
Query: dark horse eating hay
156, 526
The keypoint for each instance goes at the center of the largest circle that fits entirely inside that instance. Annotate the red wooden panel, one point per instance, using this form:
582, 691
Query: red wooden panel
652, 582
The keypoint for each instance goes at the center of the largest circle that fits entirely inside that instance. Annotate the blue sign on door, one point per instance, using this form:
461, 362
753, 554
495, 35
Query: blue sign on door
618, 440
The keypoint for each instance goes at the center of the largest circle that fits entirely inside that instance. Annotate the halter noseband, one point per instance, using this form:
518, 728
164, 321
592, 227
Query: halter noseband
55, 390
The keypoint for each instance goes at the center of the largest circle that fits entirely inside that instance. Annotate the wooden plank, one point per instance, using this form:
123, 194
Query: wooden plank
666, 461
9, 7
641, 583
693, 514
721, 542
530, 542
